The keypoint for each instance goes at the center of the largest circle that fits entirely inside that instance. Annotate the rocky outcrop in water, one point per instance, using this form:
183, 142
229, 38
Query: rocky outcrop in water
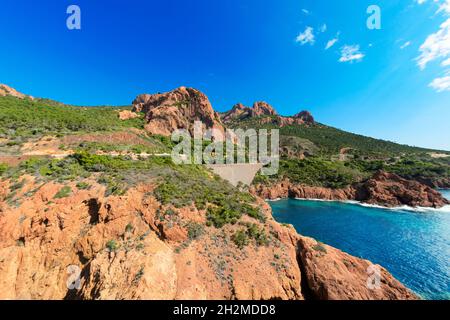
330, 274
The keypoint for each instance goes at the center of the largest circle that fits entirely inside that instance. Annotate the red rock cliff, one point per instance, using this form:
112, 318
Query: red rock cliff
177, 109
385, 189
129, 247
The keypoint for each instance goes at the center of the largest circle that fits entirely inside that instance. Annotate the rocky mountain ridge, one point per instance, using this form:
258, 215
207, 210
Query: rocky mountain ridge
265, 114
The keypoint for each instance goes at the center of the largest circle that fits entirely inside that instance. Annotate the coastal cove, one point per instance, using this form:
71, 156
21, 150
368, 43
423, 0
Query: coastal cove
413, 245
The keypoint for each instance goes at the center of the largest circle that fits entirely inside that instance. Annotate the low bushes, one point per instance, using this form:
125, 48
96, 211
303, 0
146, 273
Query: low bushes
252, 232
318, 172
192, 185
63, 193
3, 168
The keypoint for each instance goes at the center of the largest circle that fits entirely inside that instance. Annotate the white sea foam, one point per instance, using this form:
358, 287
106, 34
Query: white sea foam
376, 206
274, 200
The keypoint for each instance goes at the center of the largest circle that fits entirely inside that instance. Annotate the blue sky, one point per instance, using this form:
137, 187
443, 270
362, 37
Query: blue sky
392, 83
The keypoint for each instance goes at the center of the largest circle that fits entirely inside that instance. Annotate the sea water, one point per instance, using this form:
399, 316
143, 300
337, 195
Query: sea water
413, 245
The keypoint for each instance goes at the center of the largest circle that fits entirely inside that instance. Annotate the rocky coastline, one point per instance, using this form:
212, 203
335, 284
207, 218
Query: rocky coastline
154, 258
384, 189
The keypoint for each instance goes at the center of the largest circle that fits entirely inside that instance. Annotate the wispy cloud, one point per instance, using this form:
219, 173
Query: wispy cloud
306, 11
323, 28
306, 36
332, 42
441, 84
444, 5
437, 47
351, 53
405, 45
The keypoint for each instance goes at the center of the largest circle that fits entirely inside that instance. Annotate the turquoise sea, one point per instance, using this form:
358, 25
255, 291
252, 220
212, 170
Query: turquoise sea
413, 245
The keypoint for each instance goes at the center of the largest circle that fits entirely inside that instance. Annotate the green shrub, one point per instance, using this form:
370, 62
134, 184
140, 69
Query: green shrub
17, 186
83, 185
240, 239
320, 247
129, 228
258, 234
195, 230
252, 232
114, 185
112, 245
63, 193
3, 168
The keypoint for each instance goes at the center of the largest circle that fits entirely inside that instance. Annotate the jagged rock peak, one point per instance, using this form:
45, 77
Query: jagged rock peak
177, 109
306, 116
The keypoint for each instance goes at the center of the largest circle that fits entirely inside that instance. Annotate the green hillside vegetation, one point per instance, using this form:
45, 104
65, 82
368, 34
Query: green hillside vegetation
153, 146
24, 118
179, 186
315, 155
325, 164
331, 140
320, 172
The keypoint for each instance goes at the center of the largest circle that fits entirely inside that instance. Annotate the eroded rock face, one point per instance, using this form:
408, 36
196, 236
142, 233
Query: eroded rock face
132, 247
267, 114
126, 115
331, 274
8, 91
391, 190
262, 108
241, 112
385, 189
286, 189
177, 109
440, 183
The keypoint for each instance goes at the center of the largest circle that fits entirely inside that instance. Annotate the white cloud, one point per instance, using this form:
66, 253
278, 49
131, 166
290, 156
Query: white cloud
305, 11
441, 84
333, 41
351, 53
405, 45
446, 63
444, 5
323, 28
306, 36
436, 46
